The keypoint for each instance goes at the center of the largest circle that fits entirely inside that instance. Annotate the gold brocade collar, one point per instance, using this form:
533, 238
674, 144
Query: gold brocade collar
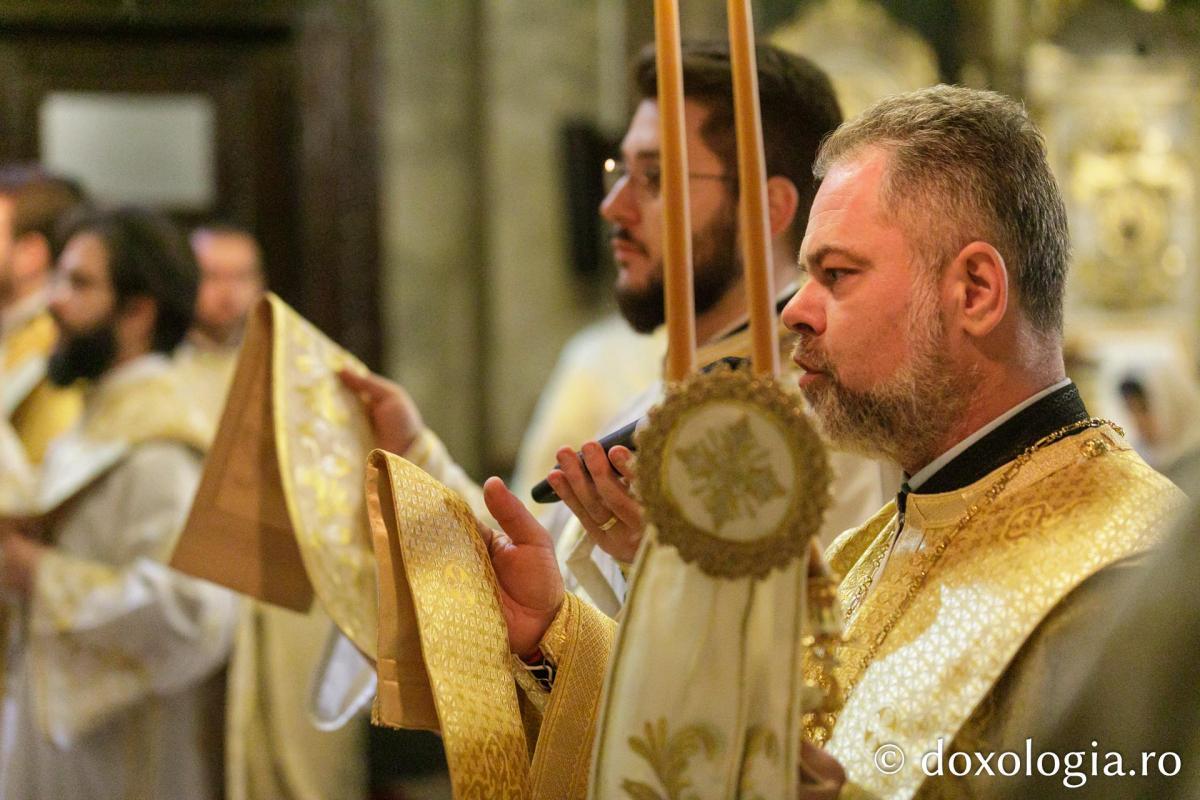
940, 510
142, 401
735, 340
22, 313
1075, 507
938, 514
139, 402
738, 344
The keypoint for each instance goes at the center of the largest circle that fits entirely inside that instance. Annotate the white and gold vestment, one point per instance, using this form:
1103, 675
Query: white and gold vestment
112, 678
37, 410
972, 651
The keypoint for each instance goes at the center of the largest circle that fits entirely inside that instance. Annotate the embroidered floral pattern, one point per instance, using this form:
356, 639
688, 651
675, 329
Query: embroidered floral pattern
669, 756
731, 471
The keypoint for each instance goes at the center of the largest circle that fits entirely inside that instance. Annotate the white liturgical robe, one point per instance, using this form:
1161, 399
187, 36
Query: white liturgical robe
113, 667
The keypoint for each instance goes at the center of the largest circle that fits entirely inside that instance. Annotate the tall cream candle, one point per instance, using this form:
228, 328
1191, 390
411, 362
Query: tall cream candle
752, 178
677, 235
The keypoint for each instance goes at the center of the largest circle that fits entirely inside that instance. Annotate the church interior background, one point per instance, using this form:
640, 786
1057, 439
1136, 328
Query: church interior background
424, 173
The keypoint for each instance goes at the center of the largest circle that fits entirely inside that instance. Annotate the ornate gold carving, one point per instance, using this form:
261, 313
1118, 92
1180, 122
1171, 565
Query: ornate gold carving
1128, 187
823, 694
867, 53
732, 474
669, 757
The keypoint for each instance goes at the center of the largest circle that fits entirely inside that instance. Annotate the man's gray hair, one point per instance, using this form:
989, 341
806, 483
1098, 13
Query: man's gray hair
967, 165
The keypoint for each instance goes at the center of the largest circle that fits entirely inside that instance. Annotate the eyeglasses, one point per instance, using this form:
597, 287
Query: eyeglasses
647, 181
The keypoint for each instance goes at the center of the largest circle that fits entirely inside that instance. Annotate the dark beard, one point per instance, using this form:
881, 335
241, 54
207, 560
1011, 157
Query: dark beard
85, 355
716, 269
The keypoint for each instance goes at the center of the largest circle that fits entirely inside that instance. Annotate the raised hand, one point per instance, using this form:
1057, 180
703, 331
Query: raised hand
600, 497
395, 418
522, 553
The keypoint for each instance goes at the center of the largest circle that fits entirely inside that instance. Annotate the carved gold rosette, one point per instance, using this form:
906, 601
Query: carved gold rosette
732, 474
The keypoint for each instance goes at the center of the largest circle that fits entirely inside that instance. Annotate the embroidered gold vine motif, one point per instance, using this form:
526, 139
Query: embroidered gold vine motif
669, 757
323, 438
729, 470
758, 740
326, 470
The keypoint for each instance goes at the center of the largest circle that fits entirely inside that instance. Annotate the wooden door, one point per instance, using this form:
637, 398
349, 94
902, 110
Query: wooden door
292, 146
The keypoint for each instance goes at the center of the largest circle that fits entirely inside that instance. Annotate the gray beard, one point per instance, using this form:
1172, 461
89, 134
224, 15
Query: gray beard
906, 417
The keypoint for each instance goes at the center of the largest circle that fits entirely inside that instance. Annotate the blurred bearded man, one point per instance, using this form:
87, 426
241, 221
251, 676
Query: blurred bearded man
231, 284
111, 681
272, 749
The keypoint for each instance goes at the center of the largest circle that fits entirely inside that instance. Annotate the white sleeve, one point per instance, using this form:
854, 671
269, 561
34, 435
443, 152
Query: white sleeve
105, 635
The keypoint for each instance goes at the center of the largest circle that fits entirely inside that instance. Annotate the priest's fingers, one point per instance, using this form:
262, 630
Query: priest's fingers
368, 385
492, 539
613, 492
395, 418
623, 459
514, 518
582, 489
821, 776
562, 487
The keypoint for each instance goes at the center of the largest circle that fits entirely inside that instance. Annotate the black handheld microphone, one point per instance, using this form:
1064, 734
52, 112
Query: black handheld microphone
543, 493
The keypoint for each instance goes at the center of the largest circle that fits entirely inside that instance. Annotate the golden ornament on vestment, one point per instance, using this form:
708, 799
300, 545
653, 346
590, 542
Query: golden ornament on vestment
279, 514
732, 474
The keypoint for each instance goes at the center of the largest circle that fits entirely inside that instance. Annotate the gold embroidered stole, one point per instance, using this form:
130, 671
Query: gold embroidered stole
33, 339
116, 419
279, 512
1077, 506
443, 657
39, 411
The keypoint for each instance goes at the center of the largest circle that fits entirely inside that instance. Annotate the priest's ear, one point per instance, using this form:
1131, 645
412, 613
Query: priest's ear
136, 323
783, 200
978, 281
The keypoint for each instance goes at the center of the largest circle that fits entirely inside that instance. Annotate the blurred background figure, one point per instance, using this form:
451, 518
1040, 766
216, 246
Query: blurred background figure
273, 750
114, 679
1147, 382
231, 284
1163, 402
32, 204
